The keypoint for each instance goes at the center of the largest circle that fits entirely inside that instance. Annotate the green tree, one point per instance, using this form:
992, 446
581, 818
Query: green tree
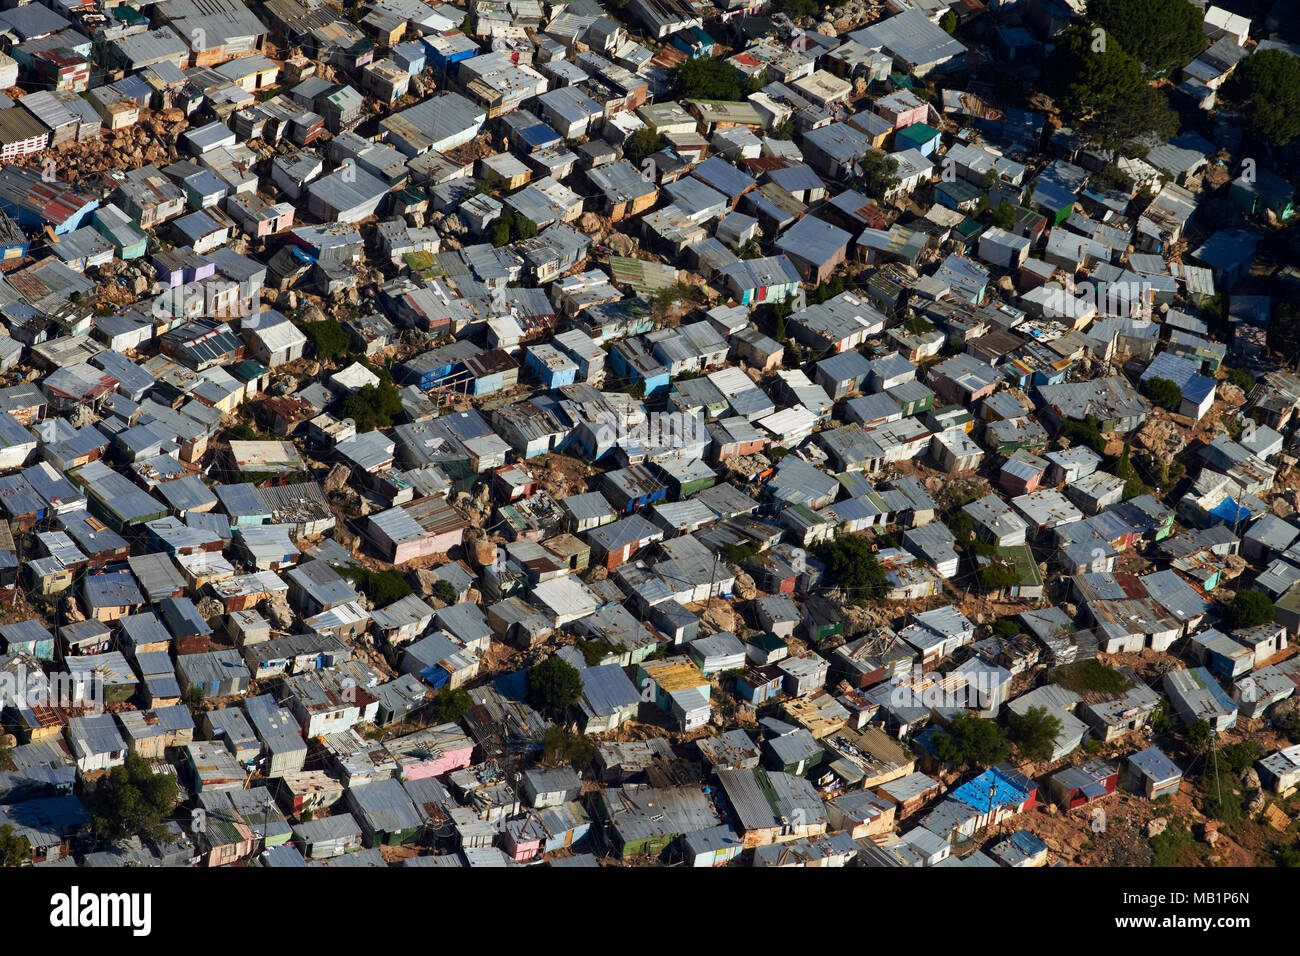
1085, 432
1005, 626
498, 232
641, 144
1241, 378
949, 22
852, 566
1123, 468
328, 338
1199, 736
560, 746
1162, 34
1004, 217
1249, 608
798, 9
132, 801
1265, 90
879, 172
382, 587
372, 406
1034, 733
1101, 90
554, 685
971, 741
15, 850
453, 705
998, 575
521, 227
445, 591
700, 79
1163, 392
1240, 756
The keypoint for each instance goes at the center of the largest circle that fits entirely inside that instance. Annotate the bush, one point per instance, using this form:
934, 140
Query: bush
1006, 627
1086, 432
510, 228
1034, 733
1163, 392
382, 587
971, 740
329, 339
1091, 675
594, 651
15, 850
553, 685
241, 432
998, 575
1249, 609
1237, 757
851, 565
372, 406
453, 705
1199, 736
698, 79
560, 746
1241, 378
641, 144
1004, 217
445, 592
132, 801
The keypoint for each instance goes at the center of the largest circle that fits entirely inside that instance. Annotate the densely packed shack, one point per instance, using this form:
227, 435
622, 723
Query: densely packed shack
654, 431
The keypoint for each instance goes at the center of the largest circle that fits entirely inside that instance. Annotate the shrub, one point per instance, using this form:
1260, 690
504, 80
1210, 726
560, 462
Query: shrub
1250, 609
372, 406
553, 685
852, 566
453, 705
329, 339
1163, 392
1241, 378
382, 587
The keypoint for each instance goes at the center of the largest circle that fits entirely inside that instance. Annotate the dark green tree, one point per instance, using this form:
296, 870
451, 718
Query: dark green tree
1199, 736
328, 338
1163, 392
998, 575
701, 79
15, 850
560, 746
852, 566
1004, 217
1101, 90
1034, 733
1162, 34
1249, 608
372, 406
641, 144
445, 591
971, 741
132, 801
553, 685
949, 22
879, 172
498, 232
1265, 90
453, 705
382, 587
798, 9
